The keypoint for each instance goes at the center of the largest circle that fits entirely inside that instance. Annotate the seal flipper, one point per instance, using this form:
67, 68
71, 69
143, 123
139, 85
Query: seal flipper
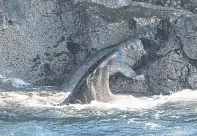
124, 69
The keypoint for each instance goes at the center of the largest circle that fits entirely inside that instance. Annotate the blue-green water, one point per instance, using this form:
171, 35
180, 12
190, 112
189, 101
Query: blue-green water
36, 114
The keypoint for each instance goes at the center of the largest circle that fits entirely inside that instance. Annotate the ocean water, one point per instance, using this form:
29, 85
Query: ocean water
36, 113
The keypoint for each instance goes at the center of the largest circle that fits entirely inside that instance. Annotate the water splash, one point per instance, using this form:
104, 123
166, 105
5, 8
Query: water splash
37, 113
14, 82
44, 104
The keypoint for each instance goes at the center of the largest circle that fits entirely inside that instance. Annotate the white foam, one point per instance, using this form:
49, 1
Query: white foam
132, 103
18, 82
152, 126
1, 76
15, 82
32, 99
51, 99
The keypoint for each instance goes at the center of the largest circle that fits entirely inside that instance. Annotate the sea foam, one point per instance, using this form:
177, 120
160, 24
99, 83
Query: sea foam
122, 102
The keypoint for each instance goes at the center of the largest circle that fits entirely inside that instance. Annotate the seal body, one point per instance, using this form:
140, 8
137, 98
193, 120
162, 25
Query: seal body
93, 83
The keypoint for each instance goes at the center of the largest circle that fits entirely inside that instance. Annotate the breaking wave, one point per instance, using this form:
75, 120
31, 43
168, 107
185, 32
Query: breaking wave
44, 104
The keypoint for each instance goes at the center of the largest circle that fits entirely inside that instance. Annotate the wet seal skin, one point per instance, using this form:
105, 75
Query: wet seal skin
95, 71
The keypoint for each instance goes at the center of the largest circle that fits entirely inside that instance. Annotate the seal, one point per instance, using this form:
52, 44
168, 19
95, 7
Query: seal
95, 71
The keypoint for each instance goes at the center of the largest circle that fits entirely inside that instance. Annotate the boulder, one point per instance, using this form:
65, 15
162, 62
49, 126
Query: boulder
167, 74
186, 29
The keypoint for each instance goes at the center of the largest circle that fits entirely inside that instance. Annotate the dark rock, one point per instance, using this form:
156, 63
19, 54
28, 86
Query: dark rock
190, 5
192, 76
74, 48
15, 10
95, 27
42, 42
120, 84
167, 74
28, 33
186, 29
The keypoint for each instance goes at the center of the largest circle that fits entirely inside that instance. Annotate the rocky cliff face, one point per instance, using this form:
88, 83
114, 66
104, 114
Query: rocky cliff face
41, 41
29, 32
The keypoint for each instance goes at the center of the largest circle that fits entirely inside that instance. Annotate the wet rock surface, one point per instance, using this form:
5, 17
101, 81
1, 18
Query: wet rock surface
42, 41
